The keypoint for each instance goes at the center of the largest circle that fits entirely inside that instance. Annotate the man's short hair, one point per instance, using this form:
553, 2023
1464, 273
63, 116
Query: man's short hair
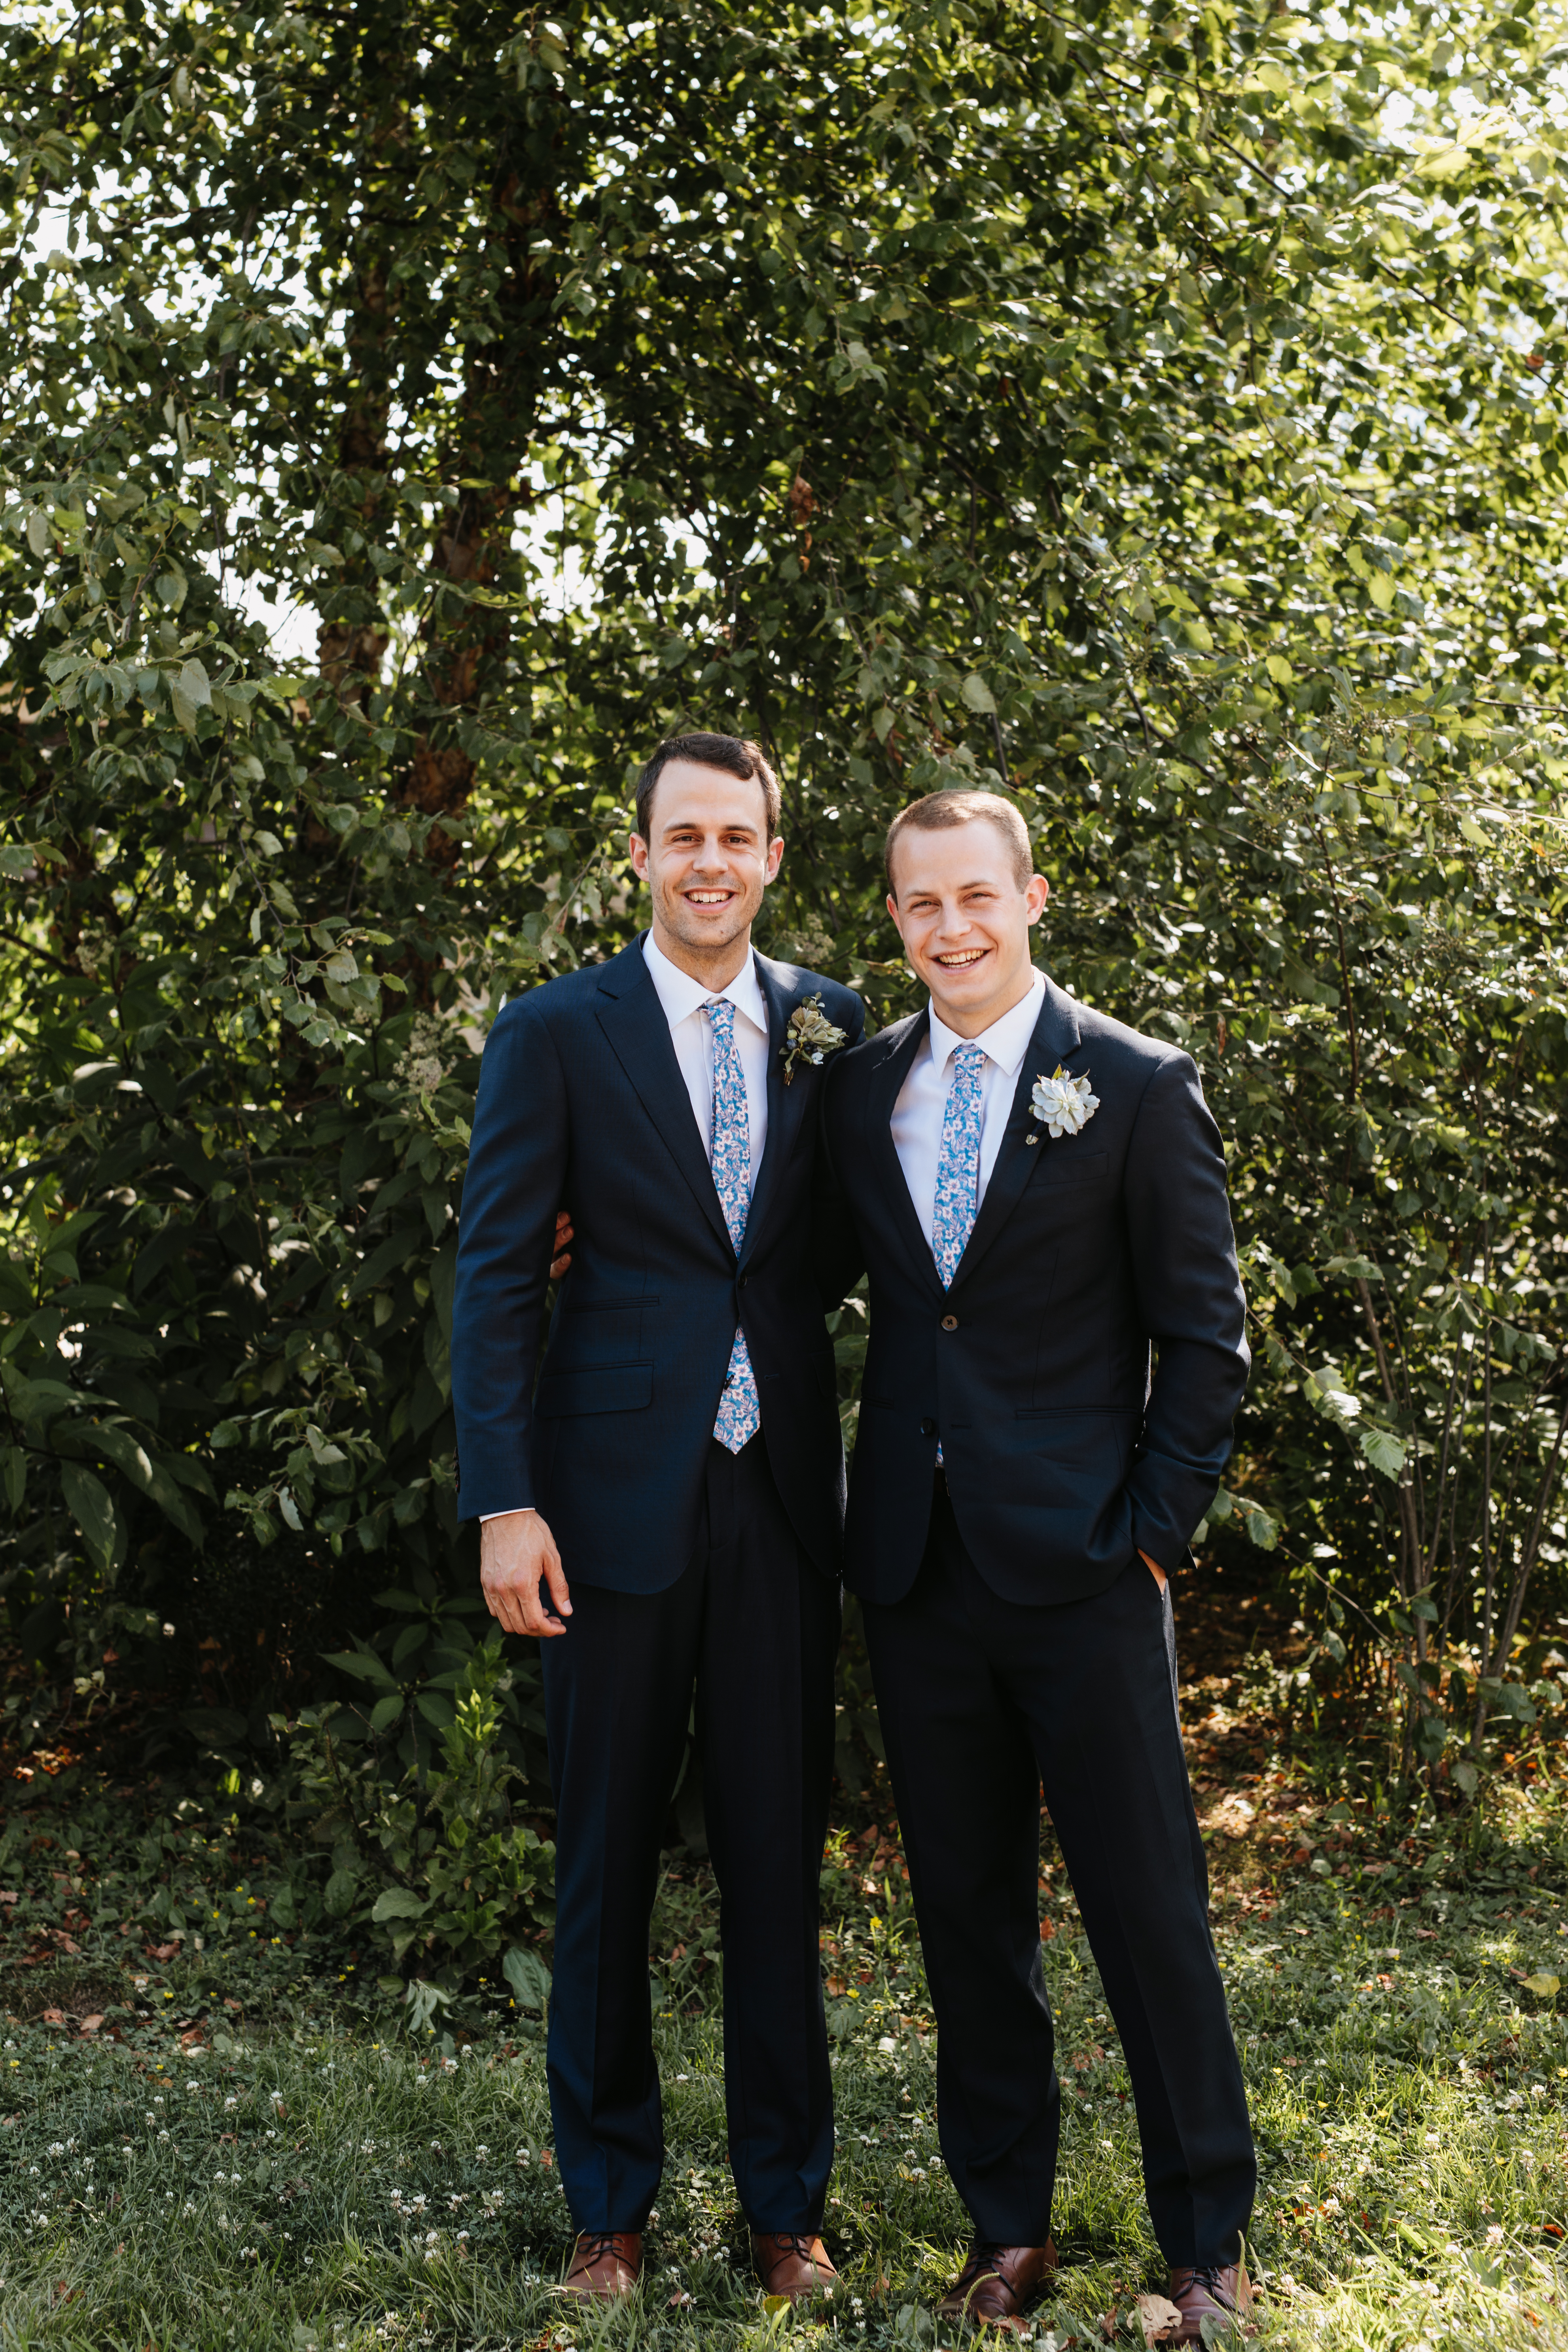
734, 754
940, 812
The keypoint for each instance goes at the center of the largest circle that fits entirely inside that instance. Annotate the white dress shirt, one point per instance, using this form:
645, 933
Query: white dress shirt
921, 1105
691, 1034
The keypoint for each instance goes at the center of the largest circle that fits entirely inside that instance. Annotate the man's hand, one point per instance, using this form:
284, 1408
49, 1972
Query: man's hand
560, 1262
1155, 1569
517, 1559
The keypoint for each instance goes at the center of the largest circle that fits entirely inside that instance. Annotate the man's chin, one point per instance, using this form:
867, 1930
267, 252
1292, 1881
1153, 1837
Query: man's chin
727, 925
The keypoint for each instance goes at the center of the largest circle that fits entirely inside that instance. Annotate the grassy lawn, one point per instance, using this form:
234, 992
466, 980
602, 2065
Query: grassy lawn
260, 2158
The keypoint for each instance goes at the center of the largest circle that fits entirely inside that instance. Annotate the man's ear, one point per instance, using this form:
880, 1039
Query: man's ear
1035, 896
892, 905
637, 848
776, 854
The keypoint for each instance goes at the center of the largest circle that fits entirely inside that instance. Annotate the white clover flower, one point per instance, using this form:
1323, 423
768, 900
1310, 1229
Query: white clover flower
231, 2103
1063, 1105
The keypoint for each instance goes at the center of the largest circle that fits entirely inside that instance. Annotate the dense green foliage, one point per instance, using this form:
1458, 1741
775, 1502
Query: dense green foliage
1158, 412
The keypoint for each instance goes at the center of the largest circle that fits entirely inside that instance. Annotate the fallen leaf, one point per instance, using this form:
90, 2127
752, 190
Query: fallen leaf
1542, 1987
679, 2300
53, 2017
91, 2024
162, 1951
232, 2004
1156, 2313
193, 2040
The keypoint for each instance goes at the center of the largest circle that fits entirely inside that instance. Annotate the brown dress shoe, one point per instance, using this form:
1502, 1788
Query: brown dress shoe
1220, 2291
997, 2284
793, 2262
605, 2262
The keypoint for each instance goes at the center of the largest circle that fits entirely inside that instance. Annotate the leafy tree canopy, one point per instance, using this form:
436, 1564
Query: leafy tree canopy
412, 413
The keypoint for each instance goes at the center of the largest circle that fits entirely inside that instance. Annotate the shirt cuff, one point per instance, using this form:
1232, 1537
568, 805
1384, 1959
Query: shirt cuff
485, 1517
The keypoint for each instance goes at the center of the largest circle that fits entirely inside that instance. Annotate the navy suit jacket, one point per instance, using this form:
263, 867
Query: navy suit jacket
1064, 1458
582, 1100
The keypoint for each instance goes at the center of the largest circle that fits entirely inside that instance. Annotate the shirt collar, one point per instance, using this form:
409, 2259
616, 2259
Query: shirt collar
1005, 1042
680, 995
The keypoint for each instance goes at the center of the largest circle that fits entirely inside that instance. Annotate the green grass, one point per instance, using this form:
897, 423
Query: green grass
310, 2177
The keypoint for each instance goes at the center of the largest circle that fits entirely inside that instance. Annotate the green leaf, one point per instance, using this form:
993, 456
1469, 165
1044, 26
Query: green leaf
117, 1444
386, 1711
88, 1501
363, 1663
337, 1896
398, 1902
977, 695
528, 1977
1382, 1448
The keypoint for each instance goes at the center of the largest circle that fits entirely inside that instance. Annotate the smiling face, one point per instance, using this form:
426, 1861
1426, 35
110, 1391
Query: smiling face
707, 861
964, 918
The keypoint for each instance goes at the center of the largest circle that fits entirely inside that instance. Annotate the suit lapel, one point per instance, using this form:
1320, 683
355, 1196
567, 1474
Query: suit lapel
633, 1020
888, 1173
782, 991
1054, 1037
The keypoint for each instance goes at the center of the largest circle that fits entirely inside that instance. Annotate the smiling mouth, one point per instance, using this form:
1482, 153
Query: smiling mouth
708, 897
960, 959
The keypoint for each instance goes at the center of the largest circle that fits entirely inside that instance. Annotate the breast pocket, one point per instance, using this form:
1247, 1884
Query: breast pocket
1064, 1165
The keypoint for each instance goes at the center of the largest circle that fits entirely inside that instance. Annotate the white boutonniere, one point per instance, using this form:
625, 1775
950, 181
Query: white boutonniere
1063, 1105
810, 1036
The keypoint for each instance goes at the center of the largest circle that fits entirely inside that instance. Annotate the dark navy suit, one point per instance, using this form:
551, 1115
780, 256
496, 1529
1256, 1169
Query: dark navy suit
692, 1571
1081, 1376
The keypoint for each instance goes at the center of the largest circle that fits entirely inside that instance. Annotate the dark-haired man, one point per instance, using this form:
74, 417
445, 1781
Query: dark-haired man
1039, 1197
664, 1510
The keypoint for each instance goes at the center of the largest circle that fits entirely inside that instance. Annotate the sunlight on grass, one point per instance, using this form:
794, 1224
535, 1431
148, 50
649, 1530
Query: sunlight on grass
333, 2187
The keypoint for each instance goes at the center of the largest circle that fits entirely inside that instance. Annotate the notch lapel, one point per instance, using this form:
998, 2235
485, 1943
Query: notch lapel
1054, 1037
632, 1019
782, 991
888, 1173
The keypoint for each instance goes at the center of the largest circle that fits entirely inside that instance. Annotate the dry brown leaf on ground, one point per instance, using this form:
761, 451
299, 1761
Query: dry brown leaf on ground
1156, 2314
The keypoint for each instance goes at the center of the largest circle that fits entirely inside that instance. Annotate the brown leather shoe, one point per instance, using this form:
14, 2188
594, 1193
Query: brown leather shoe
793, 2262
997, 2284
605, 2262
1221, 2291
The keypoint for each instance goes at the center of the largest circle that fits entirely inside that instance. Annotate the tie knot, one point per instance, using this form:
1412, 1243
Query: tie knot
722, 1011
968, 1059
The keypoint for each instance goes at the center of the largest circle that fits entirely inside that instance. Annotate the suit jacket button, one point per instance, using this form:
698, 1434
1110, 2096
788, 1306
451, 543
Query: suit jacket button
927, 1428
950, 1322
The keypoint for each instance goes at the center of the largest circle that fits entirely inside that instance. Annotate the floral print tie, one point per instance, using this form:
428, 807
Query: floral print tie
730, 1152
958, 1164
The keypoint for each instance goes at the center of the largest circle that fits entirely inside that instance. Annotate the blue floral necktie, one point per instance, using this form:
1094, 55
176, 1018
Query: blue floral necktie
729, 1152
957, 1164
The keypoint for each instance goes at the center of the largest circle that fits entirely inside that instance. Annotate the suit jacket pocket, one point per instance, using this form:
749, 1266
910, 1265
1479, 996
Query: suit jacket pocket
599, 1388
1071, 1166
593, 1331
